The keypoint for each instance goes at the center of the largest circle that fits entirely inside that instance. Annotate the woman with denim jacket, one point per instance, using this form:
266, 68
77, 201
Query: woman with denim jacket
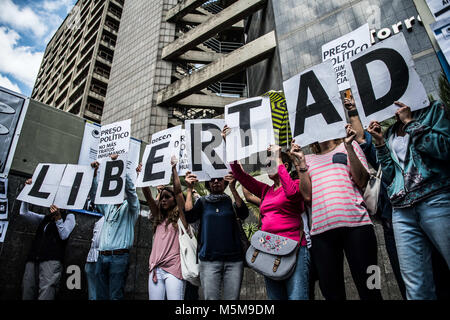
414, 155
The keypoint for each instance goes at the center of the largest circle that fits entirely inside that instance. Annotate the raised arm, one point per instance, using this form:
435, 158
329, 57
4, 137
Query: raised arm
148, 195
178, 192
192, 211
354, 119
358, 171
302, 171
290, 188
383, 153
132, 198
66, 227
433, 139
250, 197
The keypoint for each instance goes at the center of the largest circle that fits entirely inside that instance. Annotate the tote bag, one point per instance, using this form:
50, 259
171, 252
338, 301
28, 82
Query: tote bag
188, 255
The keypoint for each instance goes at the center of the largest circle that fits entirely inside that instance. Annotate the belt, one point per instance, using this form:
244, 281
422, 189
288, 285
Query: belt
114, 252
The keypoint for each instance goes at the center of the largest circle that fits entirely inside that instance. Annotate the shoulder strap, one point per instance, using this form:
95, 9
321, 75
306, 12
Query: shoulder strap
260, 203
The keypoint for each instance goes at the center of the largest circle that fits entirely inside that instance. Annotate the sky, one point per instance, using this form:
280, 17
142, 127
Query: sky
26, 26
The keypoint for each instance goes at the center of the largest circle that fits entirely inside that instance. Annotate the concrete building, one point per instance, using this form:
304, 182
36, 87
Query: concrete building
76, 67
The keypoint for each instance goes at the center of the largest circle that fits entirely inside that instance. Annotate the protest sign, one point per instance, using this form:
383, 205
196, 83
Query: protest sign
114, 139
206, 152
315, 108
45, 183
89, 145
382, 74
183, 161
134, 153
250, 121
343, 48
441, 31
111, 182
157, 169
74, 187
3, 228
439, 8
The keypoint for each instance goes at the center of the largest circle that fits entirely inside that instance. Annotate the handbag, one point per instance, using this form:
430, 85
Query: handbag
190, 268
372, 192
272, 255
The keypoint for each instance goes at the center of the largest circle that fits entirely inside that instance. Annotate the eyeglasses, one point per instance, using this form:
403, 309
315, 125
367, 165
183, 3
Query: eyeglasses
214, 179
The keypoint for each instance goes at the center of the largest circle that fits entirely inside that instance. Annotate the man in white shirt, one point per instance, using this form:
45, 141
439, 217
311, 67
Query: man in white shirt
44, 266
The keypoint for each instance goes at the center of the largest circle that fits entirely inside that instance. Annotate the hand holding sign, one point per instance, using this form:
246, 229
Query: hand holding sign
54, 211
351, 134
374, 129
403, 113
296, 153
190, 179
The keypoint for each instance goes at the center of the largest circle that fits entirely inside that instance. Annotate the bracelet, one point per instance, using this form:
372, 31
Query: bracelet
352, 113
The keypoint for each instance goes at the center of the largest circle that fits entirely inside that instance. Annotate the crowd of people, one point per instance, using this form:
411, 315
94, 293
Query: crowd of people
315, 199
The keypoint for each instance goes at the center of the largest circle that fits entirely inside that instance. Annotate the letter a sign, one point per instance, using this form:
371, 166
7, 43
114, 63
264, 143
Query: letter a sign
315, 109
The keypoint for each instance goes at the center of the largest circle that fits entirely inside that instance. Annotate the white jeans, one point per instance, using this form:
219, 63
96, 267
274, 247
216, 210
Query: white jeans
167, 286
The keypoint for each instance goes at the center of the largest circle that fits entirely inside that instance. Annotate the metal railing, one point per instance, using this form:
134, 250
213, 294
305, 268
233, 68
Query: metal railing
212, 6
222, 46
229, 89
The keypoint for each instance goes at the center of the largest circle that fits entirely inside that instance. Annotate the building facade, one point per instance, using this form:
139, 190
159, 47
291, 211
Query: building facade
76, 68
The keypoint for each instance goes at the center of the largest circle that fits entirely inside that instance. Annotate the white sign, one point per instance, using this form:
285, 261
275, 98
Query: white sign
46, 179
441, 31
114, 139
134, 154
343, 48
439, 8
74, 187
206, 152
157, 169
250, 121
382, 74
111, 182
89, 145
183, 160
3, 229
316, 113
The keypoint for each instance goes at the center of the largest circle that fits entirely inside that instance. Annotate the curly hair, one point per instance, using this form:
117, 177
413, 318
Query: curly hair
172, 214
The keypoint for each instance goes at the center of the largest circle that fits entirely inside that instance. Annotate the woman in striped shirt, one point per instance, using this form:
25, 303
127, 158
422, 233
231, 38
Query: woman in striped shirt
331, 179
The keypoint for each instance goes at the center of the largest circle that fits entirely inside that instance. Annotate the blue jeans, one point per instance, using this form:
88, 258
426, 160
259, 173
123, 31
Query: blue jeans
214, 274
89, 268
111, 273
296, 287
416, 229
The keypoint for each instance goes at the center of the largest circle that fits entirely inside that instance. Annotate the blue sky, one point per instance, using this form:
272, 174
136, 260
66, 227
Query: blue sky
26, 26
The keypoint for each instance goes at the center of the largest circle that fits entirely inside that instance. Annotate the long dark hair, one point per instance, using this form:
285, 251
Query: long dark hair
172, 214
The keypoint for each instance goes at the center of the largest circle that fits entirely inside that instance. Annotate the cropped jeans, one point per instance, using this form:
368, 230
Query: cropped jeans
296, 287
416, 230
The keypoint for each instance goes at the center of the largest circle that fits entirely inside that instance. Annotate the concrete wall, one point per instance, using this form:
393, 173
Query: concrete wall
138, 71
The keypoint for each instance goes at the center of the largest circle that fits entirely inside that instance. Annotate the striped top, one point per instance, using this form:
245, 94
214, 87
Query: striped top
336, 199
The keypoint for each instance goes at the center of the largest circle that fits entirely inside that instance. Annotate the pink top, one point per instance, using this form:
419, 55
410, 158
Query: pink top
281, 209
336, 199
166, 251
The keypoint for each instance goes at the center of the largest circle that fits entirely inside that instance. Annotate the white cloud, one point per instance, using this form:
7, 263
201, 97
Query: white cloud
22, 19
18, 61
57, 4
6, 83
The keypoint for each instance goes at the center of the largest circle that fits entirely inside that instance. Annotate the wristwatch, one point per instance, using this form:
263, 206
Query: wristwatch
352, 113
303, 169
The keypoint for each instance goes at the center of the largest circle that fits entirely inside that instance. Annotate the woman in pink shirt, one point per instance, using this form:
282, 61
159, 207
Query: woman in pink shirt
280, 209
165, 277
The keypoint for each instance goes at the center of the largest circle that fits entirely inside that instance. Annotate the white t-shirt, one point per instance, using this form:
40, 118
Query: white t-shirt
400, 146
